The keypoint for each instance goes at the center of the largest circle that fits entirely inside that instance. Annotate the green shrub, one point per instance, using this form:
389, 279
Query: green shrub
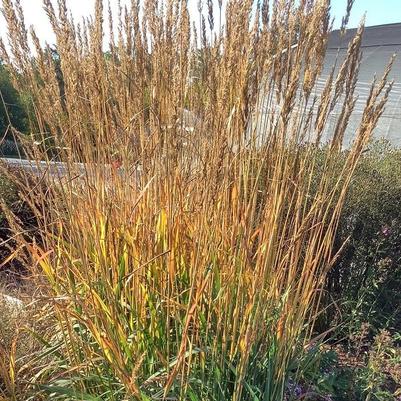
365, 280
371, 371
23, 223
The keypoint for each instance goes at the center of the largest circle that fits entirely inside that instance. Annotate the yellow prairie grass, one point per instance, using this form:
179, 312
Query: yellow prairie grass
186, 243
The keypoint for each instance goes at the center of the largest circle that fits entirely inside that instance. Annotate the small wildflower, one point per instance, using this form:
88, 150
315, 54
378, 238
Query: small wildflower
386, 230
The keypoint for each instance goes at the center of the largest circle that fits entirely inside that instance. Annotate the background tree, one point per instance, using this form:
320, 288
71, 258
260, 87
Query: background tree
12, 112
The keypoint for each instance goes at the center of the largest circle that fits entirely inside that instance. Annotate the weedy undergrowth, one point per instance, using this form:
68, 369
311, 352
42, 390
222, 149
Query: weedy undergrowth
183, 247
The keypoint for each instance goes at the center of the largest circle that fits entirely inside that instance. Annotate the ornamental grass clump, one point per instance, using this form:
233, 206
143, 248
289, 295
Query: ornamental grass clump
182, 245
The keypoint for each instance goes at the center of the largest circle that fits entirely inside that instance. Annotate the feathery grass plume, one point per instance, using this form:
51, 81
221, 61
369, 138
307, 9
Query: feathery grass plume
184, 248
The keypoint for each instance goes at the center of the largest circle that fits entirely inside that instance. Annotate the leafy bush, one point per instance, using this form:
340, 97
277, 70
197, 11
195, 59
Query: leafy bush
366, 278
12, 113
381, 378
17, 221
370, 371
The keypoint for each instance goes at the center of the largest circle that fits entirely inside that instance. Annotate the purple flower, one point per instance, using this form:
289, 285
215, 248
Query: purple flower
386, 230
294, 389
298, 390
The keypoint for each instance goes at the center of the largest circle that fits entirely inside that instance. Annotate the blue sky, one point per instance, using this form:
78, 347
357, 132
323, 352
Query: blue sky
378, 12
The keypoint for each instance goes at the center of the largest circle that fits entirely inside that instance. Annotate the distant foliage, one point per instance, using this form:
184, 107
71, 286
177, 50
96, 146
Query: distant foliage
12, 113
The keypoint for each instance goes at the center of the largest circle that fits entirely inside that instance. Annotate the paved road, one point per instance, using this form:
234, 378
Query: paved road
40, 167
59, 169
